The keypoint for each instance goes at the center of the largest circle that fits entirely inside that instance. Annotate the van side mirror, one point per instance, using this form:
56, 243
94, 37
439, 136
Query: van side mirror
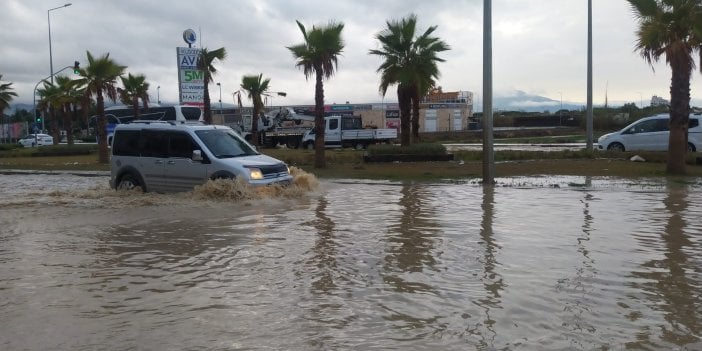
197, 155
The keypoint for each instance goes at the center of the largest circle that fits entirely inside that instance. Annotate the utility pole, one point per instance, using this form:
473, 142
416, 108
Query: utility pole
488, 151
588, 121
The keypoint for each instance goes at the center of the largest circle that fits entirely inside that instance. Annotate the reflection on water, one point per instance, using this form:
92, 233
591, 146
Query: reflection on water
531, 264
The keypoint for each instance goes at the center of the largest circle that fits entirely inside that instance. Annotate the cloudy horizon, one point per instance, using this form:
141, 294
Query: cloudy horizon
539, 47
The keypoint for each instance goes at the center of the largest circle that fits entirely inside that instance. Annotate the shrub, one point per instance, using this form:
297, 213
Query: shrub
414, 149
65, 150
7, 147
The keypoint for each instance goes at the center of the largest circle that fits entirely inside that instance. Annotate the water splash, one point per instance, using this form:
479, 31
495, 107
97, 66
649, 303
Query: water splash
96, 193
237, 189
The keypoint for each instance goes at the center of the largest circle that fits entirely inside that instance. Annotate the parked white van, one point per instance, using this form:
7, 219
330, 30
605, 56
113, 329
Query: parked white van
176, 156
650, 133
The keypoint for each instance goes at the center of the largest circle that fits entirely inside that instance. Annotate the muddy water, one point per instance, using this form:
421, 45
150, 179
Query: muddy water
532, 264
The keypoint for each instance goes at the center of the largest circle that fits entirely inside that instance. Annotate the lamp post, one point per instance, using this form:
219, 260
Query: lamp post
35, 94
220, 96
158, 94
51, 59
488, 138
279, 93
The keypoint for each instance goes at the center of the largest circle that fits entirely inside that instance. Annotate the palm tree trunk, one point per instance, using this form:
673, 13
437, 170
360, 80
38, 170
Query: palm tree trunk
54, 126
206, 100
415, 114
679, 117
254, 121
135, 106
69, 123
103, 156
67, 115
319, 160
404, 101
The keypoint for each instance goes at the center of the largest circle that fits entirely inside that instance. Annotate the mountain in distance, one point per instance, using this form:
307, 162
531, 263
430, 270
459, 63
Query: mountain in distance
522, 101
514, 101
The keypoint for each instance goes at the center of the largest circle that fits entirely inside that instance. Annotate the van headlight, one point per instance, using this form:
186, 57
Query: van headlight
255, 173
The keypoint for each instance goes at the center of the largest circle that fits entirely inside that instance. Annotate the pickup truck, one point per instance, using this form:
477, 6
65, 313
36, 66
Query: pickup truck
347, 131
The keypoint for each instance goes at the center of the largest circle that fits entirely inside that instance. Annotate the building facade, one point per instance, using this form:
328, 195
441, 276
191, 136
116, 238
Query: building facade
438, 112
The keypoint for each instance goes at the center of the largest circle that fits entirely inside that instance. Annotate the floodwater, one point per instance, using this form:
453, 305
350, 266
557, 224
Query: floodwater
553, 263
519, 147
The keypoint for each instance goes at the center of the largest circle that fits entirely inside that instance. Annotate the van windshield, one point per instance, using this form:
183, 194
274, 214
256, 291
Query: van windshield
224, 143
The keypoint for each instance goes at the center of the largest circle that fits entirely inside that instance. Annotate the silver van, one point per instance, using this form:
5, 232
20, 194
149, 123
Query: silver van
176, 156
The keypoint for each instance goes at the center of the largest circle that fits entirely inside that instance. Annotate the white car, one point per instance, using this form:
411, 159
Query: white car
650, 133
32, 140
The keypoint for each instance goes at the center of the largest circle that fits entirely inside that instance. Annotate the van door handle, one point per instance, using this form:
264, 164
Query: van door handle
171, 162
158, 162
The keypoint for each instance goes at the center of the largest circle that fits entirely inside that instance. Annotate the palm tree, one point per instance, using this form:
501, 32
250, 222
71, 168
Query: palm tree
99, 79
205, 64
255, 86
49, 101
135, 88
6, 95
411, 63
318, 55
672, 28
70, 97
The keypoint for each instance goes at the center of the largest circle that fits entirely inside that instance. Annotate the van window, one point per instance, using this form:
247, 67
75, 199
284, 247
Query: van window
181, 145
191, 113
126, 143
225, 144
693, 123
154, 143
169, 114
333, 124
151, 115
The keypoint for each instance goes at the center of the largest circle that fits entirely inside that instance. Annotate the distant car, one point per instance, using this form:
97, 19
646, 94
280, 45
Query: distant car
650, 133
32, 140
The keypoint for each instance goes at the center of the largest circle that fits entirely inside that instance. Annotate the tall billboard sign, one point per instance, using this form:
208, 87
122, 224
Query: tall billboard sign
191, 80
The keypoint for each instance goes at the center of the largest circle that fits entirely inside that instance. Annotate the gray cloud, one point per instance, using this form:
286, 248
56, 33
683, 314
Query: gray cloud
539, 46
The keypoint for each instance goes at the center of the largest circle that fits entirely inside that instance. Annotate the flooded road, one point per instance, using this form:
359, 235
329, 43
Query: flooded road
553, 263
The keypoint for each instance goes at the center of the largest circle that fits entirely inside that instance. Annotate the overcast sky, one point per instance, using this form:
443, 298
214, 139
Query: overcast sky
539, 46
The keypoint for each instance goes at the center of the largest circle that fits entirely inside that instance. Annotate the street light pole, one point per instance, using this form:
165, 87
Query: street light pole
488, 139
158, 94
220, 96
35, 94
51, 59
589, 116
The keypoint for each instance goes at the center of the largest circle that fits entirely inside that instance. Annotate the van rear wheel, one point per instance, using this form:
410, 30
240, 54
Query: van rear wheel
129, 182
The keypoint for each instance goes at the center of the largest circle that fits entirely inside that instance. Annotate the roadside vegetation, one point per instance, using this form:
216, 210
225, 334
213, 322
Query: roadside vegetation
348, 163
